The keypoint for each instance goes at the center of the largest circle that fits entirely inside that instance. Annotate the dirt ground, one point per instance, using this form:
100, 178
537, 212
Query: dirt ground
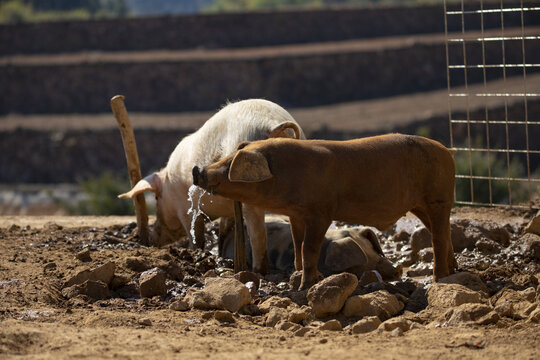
38, 254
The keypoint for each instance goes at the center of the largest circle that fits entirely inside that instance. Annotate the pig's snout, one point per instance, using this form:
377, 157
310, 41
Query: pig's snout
197, 176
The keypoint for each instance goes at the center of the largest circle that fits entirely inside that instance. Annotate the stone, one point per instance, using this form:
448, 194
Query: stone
459, 240
420, 239
401, 237
96, 290
471, 313
535, 315
246, 276
152, 283
287, 326
296, 278
179, 305
145, 322
441, 295
331, 325
469, 280
420, 270
84, 255
513, 304
379, 303
529, 246
397, 322
103, 273
534, 225
426, 255
298, 315
302, 332
367, 324
417, 301
137, 264
528, 294
276, 315
223, 316
119, 281
396, 332
274, 301
487, 246
369, 277
328, 296
218, 294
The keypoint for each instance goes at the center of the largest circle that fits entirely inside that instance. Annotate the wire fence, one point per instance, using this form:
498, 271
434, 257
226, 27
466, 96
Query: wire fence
494, 101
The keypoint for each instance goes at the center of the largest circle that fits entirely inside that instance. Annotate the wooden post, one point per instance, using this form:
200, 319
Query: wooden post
134, 168
239, 244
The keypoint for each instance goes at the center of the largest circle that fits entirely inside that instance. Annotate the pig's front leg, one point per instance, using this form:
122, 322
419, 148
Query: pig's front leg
311, 248
257, 235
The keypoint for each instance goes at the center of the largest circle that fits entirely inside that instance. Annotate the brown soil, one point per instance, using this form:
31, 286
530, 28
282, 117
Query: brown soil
37, 322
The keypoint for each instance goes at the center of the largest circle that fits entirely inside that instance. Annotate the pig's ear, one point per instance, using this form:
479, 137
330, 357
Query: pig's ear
152, 182
287, 129
242, 145
249, 166
373, 239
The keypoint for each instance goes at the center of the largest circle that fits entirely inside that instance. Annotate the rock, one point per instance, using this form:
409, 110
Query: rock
119, 281
299, 297
274, 301
137, 264
276, 315
487, 246
223, 316
250, 309
394, 323
246, 276
49, 267
331, 325
420, 239
296, 279
420, 270
103, 273
328, 296
152, 283
459, 240
145, 322
528, 294
298, 315
417, 301
534, 225
367, 324
301, 332
513, 304
529, 246
426, 255
173, 270
471, 313
499, 235
219, 293
84, 255
396, 332
469, 280
369, 277
96, 290
535, 315
441, 295
179, 305
287, 326
380, 303
401, 237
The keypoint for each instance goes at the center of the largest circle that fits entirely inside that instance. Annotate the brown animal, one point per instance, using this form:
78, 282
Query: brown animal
371, 181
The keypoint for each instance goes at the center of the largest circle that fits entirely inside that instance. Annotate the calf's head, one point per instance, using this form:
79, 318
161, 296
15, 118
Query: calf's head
167, 228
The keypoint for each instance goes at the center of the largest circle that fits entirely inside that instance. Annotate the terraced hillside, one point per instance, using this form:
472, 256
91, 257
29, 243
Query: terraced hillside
341, 72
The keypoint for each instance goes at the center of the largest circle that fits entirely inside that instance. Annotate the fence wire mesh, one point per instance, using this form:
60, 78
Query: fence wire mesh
493, 76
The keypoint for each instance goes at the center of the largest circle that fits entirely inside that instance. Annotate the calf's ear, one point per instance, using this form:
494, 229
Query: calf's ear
249, 166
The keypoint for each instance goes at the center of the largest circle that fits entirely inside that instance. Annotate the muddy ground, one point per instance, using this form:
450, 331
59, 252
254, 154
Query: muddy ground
39, 319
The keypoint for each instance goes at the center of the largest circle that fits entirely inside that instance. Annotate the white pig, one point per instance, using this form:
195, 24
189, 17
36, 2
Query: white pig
238, 122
